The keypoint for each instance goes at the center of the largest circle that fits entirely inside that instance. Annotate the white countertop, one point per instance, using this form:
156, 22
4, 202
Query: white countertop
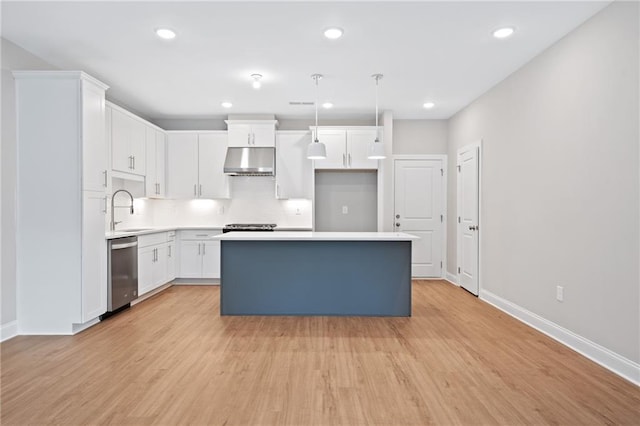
153, 230
316, 236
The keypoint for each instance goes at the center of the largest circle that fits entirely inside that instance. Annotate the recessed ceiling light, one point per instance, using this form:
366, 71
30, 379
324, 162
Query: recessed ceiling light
333, 33
428, 105
256, 80
504, 32
327, 105
165, 33
226, 104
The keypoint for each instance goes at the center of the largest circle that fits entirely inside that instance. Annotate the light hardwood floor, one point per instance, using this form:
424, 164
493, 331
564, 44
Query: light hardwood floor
173, 360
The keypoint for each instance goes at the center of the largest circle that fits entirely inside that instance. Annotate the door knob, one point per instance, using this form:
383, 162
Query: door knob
473, 228
397, 216
397, 223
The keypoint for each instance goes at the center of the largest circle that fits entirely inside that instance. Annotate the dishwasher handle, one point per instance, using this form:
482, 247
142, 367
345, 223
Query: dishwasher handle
124, 245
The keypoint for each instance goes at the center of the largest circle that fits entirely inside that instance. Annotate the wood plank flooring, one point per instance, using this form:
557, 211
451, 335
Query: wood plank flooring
173, 360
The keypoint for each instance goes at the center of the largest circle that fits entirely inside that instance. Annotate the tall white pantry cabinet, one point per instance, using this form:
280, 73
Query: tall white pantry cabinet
61, 201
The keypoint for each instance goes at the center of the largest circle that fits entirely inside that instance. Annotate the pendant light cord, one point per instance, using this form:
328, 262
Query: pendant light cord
317, 100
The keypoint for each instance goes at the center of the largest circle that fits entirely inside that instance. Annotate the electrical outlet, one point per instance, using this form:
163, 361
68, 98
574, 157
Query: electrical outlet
298, 211
559, 293
345, 210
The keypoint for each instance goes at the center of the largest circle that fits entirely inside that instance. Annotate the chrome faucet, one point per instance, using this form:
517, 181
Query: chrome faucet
113, 218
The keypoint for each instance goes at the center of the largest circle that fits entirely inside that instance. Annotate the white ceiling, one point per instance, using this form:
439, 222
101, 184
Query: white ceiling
439, 51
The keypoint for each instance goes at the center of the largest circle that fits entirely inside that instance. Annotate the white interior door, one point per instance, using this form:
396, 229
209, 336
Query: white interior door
468, 211
419, 211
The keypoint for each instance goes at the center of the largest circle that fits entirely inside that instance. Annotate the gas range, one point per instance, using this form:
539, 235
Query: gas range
255, 227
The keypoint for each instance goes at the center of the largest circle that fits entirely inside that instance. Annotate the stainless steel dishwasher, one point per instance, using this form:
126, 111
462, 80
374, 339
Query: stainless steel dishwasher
123, 273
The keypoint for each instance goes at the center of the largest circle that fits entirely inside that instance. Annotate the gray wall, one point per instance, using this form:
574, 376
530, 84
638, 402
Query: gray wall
420, 136
13, 58
356, 190
561, 183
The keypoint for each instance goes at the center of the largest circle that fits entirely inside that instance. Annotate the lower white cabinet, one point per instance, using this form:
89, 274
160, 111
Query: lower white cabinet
155, 261
199, 254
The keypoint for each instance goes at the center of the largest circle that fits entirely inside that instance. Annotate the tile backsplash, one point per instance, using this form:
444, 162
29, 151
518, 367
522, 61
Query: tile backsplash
253, 201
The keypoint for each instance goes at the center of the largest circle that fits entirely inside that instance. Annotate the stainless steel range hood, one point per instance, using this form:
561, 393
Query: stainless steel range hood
250, 161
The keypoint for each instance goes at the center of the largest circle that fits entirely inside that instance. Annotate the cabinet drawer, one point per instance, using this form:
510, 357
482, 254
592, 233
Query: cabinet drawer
152, 239
196, 234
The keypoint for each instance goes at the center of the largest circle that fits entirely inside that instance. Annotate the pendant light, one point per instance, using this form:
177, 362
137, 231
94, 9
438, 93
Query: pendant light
376, 148
316, 149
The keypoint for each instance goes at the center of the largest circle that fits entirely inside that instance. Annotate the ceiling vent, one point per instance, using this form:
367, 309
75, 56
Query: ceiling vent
301, 103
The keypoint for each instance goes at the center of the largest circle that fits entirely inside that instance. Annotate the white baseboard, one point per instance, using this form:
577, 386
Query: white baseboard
8, 330
610, 360
451, 278
196, 281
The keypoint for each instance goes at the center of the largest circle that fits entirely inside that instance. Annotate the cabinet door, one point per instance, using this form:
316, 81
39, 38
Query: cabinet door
121, 157
161, 149
150, 181
94, 256
146, 263
239, 135
94, 142
335, 142
211, 259
138, 146
160, 266
294, 171
263, 135
182, 165
212, 150
357, 146
190, 259
171, 261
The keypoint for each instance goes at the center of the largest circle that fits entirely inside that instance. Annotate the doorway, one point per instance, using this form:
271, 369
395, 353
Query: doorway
468, 217
419, 209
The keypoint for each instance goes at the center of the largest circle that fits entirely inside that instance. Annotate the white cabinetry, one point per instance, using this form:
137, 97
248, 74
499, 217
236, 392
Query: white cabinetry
195, 162
294, 172
346, 148
60, 246
171, 255
155, 177
154, 261
199, 254
251, 133
128, 142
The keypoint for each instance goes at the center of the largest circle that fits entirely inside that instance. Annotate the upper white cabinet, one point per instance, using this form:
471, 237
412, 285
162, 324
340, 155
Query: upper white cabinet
294, 172
95, 162
128, 142
61, 275
155, 176
346, 148
195, 163
251, 133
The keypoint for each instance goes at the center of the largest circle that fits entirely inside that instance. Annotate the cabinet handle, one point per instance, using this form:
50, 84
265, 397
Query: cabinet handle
277, 190
202, 235
201, 190
199, 244
248, 138
349, 159
130, 162
253, 138
105, 205
194, 190
169, 252
204, 249
105, 178
344, 160
134, 162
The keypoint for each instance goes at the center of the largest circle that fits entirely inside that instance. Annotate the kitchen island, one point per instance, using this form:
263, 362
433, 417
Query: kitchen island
316, 273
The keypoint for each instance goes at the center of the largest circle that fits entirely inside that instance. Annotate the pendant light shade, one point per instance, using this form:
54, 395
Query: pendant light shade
316, 149
375, 151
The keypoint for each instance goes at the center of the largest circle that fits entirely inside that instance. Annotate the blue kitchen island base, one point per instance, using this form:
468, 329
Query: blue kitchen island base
333, 278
